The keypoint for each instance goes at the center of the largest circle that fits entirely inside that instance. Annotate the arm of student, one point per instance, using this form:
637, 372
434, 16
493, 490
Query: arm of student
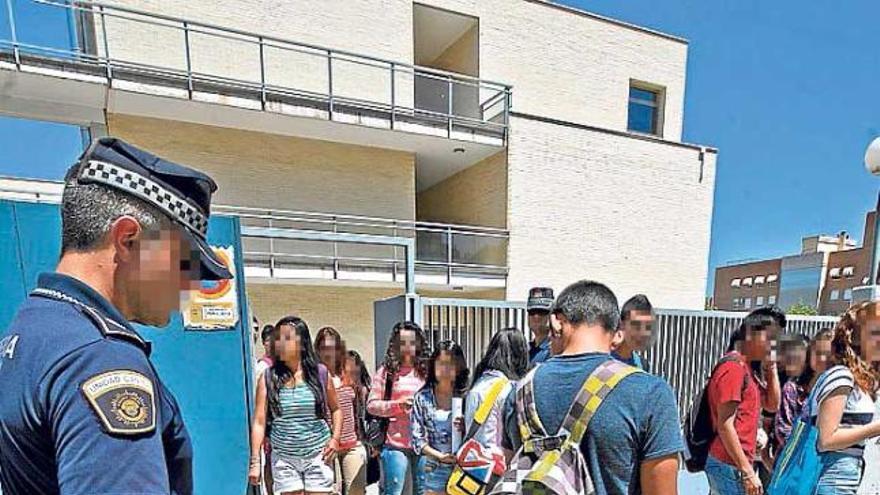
773, 394
418, 431
335, 422
510, 439
785, 417
376, 404
831, 435
258, 432
659, 476
727, 434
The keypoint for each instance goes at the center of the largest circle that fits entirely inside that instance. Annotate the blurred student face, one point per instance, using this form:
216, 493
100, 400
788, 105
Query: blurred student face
820, 357
869, 336
352, 369
638, 330
760, 344
444, 367
327, 352
288, 347
408, 346
794, 360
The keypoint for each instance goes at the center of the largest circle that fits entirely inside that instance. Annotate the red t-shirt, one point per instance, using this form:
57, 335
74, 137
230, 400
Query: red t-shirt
726, 385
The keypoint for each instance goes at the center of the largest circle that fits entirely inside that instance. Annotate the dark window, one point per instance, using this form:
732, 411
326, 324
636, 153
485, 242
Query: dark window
644, 110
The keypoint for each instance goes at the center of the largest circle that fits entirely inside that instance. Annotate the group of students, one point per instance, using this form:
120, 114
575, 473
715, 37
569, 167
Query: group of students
829, 382
577, 394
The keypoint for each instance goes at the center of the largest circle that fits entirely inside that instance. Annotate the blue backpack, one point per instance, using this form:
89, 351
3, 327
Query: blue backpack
798, 467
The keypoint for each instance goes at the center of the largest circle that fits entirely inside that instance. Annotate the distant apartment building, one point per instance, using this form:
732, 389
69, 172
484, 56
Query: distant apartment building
822, 276
518, 142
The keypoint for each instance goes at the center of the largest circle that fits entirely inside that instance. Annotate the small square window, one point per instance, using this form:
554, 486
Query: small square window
735, 282
847, 295
834, 272
771, 300
835, 295
747, 303
645, 109
759, 301
848, 271
737, 302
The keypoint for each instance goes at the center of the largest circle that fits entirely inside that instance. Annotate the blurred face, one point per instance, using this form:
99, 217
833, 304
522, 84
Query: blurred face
869, 337
267, 345
760, 344
287, 346
327, 352
794, 361
539, 321
638, 330
352, 369
820, 357
444, 368
408, 346
162, 275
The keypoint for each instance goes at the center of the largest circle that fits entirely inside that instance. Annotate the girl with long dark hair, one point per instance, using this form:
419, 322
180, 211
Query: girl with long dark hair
404, 373
297, 403
506, 360
351, 459
843, 404
431, 418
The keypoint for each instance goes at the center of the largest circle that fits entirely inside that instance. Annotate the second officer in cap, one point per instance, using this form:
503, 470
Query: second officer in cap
538, 307
82, 409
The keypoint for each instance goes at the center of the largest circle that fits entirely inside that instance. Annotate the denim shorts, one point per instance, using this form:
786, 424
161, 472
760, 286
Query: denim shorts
841, 474
434, 474
724, 479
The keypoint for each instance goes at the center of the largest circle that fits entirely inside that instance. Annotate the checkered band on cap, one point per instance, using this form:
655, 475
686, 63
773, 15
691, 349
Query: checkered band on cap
172, 204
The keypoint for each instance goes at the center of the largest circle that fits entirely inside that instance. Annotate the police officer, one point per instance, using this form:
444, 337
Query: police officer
82, 409
539, 304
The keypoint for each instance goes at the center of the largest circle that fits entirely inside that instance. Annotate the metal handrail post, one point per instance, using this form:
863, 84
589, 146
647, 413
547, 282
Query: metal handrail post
271, 253
330, 84
189, 78
12, 32
106, 44
449, 110
262, 74
335, 252
449, 256
506, 112
393, 94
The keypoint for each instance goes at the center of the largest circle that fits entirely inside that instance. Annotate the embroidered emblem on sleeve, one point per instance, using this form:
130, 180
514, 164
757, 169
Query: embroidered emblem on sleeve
123, 400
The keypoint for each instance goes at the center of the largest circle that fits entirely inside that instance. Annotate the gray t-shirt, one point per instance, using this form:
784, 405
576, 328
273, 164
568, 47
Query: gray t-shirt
637, 421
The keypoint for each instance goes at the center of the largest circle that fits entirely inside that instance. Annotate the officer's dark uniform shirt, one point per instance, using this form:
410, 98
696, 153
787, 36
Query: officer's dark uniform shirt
82, 411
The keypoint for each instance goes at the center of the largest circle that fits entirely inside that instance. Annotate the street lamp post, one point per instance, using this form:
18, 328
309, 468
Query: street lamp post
872, 164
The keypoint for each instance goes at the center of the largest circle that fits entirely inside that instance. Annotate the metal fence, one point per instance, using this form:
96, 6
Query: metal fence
193, 56
688, 343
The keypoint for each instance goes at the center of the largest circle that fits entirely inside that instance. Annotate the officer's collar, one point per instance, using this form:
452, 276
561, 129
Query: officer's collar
108, 319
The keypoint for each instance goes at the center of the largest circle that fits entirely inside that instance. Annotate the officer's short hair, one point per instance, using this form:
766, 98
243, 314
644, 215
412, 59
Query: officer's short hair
638, 302
588, 302
88, 211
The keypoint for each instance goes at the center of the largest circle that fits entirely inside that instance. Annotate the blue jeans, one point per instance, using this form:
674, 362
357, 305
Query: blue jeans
724, 479
841, 474
433, 475
398, 472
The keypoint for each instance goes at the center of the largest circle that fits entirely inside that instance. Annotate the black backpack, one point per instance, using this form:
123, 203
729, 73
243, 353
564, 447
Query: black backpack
698, 430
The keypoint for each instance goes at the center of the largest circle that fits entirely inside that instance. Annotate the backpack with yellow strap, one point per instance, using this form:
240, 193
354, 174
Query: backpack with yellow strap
553, 464
476, 466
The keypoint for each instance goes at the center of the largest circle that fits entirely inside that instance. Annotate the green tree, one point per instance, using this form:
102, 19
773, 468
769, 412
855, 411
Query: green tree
801, 308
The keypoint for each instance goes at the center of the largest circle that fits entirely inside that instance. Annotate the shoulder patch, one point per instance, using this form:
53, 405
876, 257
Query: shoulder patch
123, 400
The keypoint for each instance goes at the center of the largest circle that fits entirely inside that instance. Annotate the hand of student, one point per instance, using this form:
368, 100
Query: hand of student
447, 459
330, 450
752, 484
458, 423
254, 474
405, 404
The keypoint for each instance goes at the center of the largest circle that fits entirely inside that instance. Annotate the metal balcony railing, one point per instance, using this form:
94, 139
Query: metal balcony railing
446, 252
125, 44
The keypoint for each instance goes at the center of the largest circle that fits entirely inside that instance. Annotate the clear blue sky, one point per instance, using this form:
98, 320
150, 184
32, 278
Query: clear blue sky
787, 90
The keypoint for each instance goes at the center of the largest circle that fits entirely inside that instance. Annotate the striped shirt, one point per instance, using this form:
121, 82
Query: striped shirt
407, 383
345, 398
859, 408
298, 432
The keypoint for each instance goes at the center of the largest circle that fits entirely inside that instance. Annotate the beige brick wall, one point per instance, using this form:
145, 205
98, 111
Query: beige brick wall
348, 309
631, 213
475, 196
563, 65
281, 172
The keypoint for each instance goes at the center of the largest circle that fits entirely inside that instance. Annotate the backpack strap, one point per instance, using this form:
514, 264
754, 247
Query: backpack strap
482, 413
596, 387
526, 413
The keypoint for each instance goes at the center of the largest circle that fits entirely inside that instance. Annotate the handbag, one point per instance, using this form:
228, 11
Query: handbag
798, 467
477, 467
375, 427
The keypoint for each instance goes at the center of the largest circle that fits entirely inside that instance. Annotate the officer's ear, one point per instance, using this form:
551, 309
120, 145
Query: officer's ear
125, 233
